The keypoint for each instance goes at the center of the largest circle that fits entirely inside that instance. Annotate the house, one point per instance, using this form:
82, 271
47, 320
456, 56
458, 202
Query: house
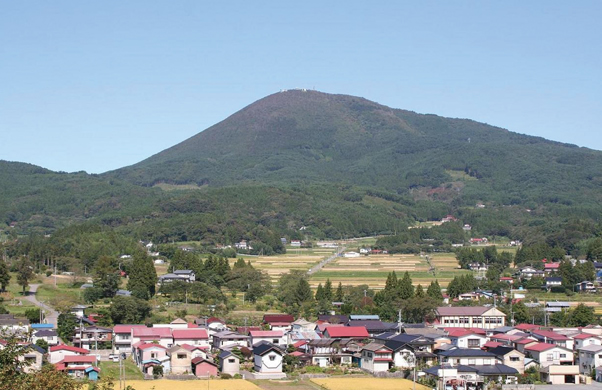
278, 321
553, 281
468, 357
228, 338
198, 337
59, 352
505, 338
48, 335
184, 275
550, 268
507, 279
470, 377
302, 325
590, 358
585, 286
180, 360
33, 358
552, 307
92, 336
549, 354
376, 357
374, 327
148, 335
268, 359
548, 336
464, 338
203, 368
243, 245
12, 325
147, 356
523, 343
122, 338
422, 346
510, 357
275, 337
196, 351
584, 339
229, 363
470, 317
527, 273
78, 310
559, 374
348, 332
75, 366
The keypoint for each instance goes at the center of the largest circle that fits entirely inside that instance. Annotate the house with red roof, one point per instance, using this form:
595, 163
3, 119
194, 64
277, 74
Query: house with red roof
59, 352
550, 268
76, 365
148, 335
464, 338
203, 368
278, 321
346, 332
547, 336
122, 338
197, 336
275, 337
524, 342
526, 327
148, 355
549, 354
584, 339
196, 350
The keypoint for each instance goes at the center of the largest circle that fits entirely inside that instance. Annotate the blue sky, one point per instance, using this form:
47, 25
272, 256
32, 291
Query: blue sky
96, 86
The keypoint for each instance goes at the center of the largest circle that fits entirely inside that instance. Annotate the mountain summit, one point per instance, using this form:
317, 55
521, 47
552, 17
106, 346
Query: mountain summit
302, 136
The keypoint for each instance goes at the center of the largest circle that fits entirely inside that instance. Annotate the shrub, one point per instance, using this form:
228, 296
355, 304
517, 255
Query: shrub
225, 376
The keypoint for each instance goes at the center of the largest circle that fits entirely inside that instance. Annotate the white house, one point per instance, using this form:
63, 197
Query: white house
194, 336
275, 337
268, 360
590, 357
549, 354
468, 339
58, 352
228, 338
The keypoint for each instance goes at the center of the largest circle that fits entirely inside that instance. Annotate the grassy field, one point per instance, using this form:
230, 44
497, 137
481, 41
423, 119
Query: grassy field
367, 384
111, 369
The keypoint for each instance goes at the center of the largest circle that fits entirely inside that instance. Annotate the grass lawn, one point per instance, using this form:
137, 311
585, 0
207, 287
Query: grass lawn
112, 369
59, 295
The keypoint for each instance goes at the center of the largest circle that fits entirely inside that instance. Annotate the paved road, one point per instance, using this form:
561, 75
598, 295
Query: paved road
51, 314
319, 266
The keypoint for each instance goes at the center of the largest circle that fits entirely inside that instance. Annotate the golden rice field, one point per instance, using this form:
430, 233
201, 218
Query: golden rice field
367, 384
216, 384
372, 270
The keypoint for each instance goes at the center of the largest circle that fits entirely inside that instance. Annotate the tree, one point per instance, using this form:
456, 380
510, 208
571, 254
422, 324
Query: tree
406, 289
92, 294
338, 295
106, 276
419, 292
4, 276
582, 316
303, 292
142, 276
328, 290
319, 293
129, 310
24, 273
521, 314
434, 291
33, 315
66, 324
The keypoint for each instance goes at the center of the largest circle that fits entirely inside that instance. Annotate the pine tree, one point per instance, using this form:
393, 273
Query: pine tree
419, 292
405, 288
4, 276
319, 293
142, 276
328, 290
434, 291
303, 292
391, 284
338, 295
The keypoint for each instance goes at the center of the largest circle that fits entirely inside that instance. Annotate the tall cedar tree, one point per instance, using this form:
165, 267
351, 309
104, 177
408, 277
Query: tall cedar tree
106, 276
303, 292
406, 290
142, 276
434, 291
4, 276
419, 292
328, 290
338, 295
25, 273
319, 293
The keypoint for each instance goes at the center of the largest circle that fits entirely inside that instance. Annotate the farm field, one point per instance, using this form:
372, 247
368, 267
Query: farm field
215, 384
367, 384
373, 270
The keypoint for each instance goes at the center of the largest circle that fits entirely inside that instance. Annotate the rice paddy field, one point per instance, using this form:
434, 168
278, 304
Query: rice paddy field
216, 384
373, 269
367, 384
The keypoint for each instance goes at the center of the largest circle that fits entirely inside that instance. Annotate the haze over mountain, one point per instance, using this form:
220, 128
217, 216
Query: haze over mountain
302, 136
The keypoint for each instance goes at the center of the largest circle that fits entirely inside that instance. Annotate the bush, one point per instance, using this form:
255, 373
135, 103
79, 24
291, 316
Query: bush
225, 376
48, 273
314, 370
237, 376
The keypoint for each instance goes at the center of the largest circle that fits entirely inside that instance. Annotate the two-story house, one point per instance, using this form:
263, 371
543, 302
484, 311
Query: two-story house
469, 317
549, 354
590, 358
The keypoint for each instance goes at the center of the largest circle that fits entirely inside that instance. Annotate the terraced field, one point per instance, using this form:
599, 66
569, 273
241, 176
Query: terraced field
373, 270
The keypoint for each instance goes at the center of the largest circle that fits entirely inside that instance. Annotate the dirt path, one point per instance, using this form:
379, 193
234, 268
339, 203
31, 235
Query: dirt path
327, 260
51, 314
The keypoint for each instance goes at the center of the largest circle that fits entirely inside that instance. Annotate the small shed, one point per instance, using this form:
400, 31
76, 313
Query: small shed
203, 368
92, 373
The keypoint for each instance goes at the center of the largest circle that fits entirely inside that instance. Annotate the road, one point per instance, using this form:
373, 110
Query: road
319, 266
51, 314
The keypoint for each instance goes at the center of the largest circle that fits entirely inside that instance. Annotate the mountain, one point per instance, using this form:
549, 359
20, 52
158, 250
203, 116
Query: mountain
300, 137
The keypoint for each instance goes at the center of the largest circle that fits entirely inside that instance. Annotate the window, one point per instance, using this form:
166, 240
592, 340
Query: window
231, 360
514, 359
272, 357
486, 362
550, 357
563, 355
472, 362
472, 343
274, 341
153, 355
181, 356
